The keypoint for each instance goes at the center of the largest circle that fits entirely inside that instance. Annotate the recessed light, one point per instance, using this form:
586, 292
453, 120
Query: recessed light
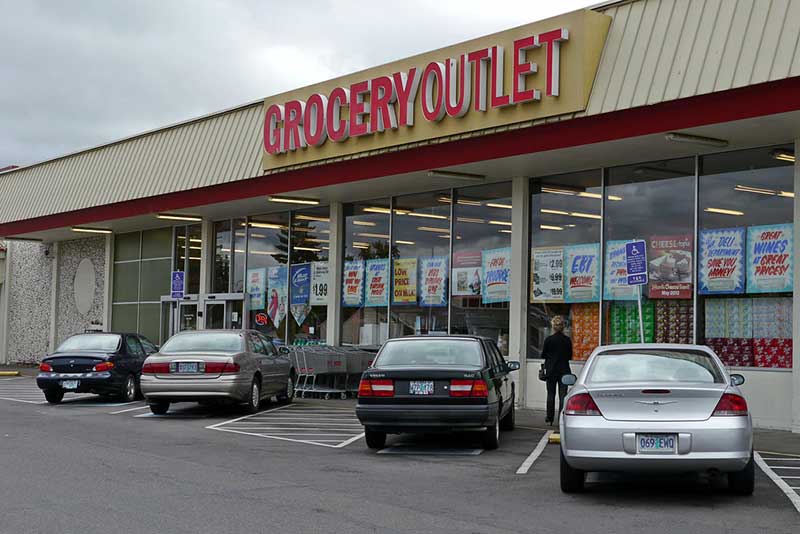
294, 200
724, 211
179, 217
91, 230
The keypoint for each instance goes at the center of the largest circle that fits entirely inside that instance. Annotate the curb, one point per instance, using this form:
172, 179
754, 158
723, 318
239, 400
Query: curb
10, 373
555, 437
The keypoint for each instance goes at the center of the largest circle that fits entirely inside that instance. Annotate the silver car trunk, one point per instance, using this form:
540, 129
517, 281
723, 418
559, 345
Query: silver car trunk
657, 401
189, 357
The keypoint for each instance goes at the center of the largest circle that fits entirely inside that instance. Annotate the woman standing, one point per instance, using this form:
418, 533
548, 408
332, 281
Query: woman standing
557, 353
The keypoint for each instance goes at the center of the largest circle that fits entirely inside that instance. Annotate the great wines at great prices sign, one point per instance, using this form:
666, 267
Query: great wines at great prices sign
770, 258
541, 69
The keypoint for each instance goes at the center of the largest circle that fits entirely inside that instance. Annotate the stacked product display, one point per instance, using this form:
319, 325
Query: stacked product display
673, 321
624, 322
585, 319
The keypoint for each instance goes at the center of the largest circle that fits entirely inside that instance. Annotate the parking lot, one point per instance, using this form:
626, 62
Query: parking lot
305, 468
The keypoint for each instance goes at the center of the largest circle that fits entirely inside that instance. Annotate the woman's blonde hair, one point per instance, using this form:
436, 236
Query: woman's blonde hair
557, 323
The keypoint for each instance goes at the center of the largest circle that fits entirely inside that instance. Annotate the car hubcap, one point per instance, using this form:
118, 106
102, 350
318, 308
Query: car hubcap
131, 389
290, 388
254, 396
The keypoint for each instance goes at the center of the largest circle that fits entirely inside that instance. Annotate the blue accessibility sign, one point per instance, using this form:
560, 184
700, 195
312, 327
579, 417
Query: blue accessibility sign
177, 286
636, 262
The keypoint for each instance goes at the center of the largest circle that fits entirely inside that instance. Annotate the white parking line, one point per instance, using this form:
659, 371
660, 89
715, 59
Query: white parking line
783, 486
129, 409
526, 465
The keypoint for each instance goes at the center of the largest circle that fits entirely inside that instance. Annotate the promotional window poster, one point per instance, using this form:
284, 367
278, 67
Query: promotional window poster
582, 273
467, 273
433, 281
496, 275
377, 283
353, 283
276, 293
256, 286
405, 281
547, 274
670, 267
319, 283
721, 261
770, 266
300, 276
616, 273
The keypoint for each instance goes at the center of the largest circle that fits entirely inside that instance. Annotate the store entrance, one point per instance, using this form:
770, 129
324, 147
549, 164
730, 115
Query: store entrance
197, 312
222, 311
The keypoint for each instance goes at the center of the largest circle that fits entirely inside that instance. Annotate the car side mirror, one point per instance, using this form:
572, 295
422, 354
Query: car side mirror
569, 380
284, 350
512, 366
737, 379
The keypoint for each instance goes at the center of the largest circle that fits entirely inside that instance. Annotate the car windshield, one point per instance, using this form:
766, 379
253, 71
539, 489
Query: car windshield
654, 365
204, 342
93, 342
426, 352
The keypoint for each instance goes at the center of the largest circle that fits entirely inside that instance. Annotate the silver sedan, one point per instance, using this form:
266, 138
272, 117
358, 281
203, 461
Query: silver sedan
656, 407
239, 366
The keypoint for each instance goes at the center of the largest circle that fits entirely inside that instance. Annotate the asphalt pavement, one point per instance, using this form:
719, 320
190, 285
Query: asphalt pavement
93, 466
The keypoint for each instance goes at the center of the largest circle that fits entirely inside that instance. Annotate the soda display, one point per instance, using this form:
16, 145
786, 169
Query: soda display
624, 322
585, 320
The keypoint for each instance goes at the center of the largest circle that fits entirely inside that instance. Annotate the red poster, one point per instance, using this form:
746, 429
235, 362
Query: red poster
670, 267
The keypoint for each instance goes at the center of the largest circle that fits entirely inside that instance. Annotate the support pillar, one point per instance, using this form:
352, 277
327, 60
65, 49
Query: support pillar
796, 301
335, 257
520, 258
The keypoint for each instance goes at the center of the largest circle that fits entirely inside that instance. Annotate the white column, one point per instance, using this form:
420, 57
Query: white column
108, 273
4, 305
335, 255
796, 301
206, 257
54, 257
518, 316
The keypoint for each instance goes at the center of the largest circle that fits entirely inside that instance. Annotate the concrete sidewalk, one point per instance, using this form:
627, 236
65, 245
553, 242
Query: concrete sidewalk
22, 369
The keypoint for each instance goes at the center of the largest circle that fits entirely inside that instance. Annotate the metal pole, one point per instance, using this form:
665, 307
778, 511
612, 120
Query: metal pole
641, 319
450, 265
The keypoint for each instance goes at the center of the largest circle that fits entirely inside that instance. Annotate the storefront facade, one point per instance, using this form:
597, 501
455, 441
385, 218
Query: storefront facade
478, 189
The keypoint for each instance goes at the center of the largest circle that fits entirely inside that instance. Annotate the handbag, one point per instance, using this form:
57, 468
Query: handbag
542, 373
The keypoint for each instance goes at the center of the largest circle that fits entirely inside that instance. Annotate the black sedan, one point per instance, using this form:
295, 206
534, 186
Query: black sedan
101, 363
437, 384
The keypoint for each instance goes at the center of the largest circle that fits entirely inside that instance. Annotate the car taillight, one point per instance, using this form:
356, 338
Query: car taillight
45, 367
731, 404
155, 369
221, 367
376, 388
105, 366
582, 404
468, 388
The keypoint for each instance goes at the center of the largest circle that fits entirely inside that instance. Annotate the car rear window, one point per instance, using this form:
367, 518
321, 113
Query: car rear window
93, 342
653, 365
204, 342
425, 352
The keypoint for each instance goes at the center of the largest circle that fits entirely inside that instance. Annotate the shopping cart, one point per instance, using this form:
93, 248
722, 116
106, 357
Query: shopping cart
327, 372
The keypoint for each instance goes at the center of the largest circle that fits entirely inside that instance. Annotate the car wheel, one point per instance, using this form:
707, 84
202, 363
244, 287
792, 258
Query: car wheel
572, 480
509, 420
54, 396
254, 398
159, 408
286, 396
375, 440
128, 392
491, 436
743, 482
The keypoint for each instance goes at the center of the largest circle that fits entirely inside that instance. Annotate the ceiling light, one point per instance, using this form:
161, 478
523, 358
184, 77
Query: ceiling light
360, 244
385, 210
195, 248
462, 201
457, 175
262, 252
446, 236
584, 215
294, 200
788, 194
554, 212
759, 190
309, 249
504, 231
376, 236
364, 223
569, 225
425, 215
432, 229
195, 258
302, 217
470, 220
783, 155
398, 242
315, 240
557, 191
548, 227
695, 139
269, 226
91, 230
494, 205
192, 239
589, 195
178, 217
724, 211
238, 251
612, 197
501, 223
303, 229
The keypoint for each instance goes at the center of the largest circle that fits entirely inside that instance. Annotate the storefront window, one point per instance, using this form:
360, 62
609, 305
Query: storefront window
366, 239
481, 263
188, 249
239, 246
221, 266
565, 259
268, 274
745, 256
419, 271
308, 277
653, 202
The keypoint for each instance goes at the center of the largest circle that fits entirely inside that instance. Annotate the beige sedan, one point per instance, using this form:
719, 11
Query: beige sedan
235, 366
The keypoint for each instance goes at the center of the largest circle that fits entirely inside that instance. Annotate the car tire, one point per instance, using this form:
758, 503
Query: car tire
743, 482
375, 440
129, 390
491, 436
159, 408
254, 397
54, 396
572, 480
286, 396
508, 421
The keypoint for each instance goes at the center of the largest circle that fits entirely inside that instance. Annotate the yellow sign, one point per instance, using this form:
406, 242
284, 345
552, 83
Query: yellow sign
538, 70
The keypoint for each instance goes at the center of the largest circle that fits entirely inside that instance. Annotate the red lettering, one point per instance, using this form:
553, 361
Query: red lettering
522, 69
499, 99
313, 120
381, 103
432, 105
358, 126
479, 58
293, 137
406, 86
553, 40
273, 136
338, 129
457, 94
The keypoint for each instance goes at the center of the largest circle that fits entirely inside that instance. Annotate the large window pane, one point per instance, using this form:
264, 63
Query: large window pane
239, 242
565, 258
308, 288
157, 243
123, 317
155, 280
150, 321
268, 274
366, 239
126, 246
653, 202
421, 234
194, 234
745, 251
126, 282
221, 266
481, 265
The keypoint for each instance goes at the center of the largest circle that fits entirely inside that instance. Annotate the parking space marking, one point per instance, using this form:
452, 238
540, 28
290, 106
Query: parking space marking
537, 451
411, 450
21, 389
789, 491
310, 425
129, 409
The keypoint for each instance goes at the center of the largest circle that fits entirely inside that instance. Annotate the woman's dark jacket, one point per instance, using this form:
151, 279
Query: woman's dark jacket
557, 353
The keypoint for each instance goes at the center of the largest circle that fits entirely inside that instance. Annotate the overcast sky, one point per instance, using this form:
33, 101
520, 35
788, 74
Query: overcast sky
80, 73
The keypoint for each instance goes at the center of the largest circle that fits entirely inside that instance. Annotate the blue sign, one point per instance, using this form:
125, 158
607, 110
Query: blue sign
636, 262
177, 287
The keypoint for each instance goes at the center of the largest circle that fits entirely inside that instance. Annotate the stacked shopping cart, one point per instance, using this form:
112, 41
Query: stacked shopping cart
324, 371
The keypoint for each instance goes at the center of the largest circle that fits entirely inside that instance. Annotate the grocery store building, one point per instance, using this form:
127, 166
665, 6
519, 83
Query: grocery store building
478, 189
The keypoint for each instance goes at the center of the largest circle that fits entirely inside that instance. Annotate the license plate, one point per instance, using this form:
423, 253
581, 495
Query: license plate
420, 387
187, 367
70, 384
656, 442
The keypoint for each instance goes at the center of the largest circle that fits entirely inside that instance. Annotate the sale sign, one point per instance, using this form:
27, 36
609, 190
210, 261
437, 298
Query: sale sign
434, 281
721, 261
770, 265
405, 281
496, 265
300, 275
377, 283
276, 293
353, 283
582, 273
466, 273
256, 287
547, 280
319, 283
616, 273
670, 267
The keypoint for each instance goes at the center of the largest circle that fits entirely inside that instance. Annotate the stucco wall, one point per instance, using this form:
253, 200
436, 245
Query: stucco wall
76, 290
30, 274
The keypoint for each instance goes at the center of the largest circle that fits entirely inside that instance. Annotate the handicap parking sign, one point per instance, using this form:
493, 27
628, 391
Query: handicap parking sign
177, 286
636, 262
